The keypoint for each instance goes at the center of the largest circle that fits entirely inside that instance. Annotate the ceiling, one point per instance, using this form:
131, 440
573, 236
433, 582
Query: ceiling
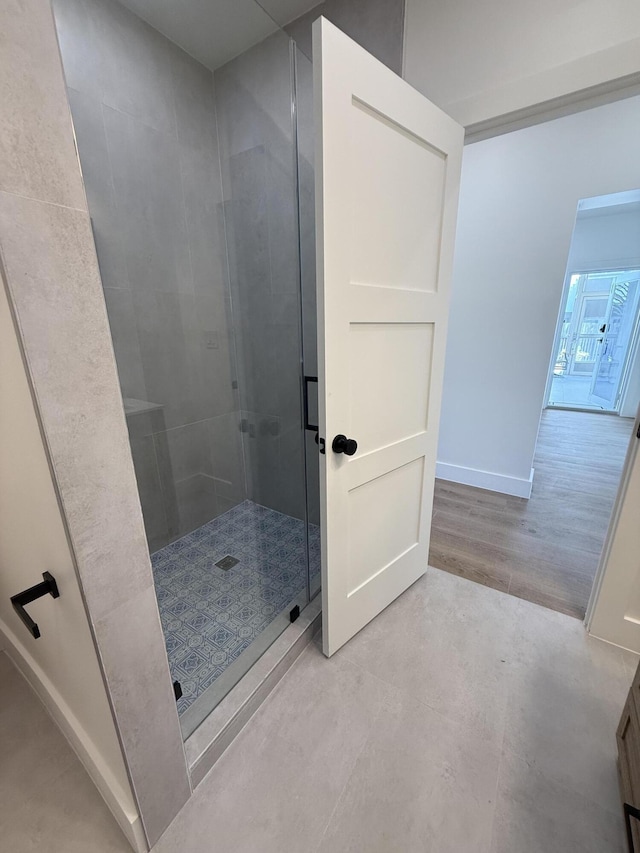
215, 31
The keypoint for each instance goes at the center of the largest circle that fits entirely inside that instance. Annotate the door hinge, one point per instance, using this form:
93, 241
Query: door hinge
638, 432
295, 612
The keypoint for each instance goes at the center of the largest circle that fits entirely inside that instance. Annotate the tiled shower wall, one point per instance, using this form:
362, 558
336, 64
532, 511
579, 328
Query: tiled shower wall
259, 175
145, 120
376, 25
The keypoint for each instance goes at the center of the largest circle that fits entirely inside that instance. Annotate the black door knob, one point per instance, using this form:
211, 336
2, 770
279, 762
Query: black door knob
342, 444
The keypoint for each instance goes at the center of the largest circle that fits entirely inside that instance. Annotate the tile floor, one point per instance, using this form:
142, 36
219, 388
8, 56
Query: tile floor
48, 803
210, 615
461, 719
573, 391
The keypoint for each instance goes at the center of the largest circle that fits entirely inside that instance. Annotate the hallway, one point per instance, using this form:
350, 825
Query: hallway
546, 549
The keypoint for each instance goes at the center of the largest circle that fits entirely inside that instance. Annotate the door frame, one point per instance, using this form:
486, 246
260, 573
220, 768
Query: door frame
632, 451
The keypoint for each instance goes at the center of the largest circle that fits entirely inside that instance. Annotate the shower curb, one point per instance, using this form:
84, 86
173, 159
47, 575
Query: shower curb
205, 746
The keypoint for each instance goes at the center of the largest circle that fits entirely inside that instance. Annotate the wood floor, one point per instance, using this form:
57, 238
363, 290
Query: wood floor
546, 549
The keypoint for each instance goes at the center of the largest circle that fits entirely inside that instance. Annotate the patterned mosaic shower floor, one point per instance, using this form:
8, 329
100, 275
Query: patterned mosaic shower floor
210, 615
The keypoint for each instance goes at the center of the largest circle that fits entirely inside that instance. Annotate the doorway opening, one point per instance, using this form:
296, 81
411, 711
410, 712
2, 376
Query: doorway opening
594, 371
546, 547
593, 364
597, 334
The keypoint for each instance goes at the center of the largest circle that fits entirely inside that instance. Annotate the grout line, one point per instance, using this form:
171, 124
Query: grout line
352, 770
495, 799
509, 691
44, 201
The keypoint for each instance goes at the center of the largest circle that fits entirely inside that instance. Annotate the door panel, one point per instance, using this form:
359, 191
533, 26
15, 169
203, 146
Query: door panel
393, 501
387, 177
395, 201
382, 352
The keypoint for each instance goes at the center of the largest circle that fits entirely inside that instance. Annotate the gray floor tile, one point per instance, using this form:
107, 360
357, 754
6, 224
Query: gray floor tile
450, 645
277, 785
422, 783
34, 752
565, 698
48, 802
67, 816
536, 815
346, 754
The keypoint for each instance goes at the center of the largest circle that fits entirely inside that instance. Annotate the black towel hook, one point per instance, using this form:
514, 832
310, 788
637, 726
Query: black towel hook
48, 586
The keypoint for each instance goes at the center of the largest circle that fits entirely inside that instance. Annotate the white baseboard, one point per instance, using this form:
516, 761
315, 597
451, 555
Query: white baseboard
115, 798
517, 486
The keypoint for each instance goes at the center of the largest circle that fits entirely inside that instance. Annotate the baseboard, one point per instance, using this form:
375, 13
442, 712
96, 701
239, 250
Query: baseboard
104, 780
517, 486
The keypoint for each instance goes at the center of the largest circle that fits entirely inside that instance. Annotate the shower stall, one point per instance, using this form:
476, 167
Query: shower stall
199, 178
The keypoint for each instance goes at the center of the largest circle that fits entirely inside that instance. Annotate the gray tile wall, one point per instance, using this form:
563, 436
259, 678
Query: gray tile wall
145, 121
376, 25
253, 94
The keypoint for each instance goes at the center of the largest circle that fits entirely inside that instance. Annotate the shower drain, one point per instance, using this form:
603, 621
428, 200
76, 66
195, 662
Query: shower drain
227, 563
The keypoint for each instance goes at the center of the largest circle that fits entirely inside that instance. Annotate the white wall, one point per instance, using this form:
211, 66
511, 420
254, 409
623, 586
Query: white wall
518, 201
603, 239
62, 664
478, 60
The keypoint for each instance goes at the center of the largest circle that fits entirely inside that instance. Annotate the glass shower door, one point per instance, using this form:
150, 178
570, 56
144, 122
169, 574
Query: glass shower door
265, 537
191, 178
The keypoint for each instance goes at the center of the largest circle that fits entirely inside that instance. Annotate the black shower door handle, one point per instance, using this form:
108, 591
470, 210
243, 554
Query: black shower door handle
307, 380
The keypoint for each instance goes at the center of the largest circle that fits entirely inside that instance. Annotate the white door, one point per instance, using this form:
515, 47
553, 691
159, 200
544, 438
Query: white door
387, 177
614, 609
